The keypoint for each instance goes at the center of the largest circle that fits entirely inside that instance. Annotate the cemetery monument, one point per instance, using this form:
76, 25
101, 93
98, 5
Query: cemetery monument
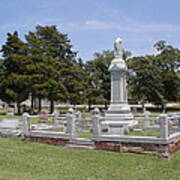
118, 114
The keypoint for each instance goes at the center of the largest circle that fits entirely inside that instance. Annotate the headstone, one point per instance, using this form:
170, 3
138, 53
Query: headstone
43, 116
9, 124
10, 112
71, 123
26, 122
79, 115
146, 119
55, 117
96, 122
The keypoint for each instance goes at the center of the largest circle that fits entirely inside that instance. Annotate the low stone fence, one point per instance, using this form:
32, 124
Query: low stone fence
163, 145
69, 127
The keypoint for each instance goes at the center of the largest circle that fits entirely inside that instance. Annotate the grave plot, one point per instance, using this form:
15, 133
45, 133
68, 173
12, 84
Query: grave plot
10, 127
159, 137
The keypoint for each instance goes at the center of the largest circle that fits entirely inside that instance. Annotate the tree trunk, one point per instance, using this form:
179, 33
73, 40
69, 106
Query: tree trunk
19, 108
163, 107
143, 107
39, 104
51, 106
106, 105
89, 105
32, 105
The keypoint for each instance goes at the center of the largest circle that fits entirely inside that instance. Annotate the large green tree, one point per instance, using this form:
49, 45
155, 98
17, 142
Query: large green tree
99, 78
146, 83
156, 76
52, 55
13, 79
76, 83
168, 62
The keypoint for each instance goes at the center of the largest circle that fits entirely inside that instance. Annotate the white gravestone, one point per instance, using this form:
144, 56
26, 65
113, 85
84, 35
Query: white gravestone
71, 123
96, 122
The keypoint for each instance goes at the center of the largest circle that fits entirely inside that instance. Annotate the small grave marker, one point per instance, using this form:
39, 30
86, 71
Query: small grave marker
43, 116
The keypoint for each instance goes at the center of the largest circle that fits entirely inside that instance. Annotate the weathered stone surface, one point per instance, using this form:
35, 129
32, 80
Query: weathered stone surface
163, 119
131, 139
143, 145
79, 147
71, 123
96, 122
10, 128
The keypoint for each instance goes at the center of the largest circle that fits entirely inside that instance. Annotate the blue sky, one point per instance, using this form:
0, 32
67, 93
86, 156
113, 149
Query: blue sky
92, 25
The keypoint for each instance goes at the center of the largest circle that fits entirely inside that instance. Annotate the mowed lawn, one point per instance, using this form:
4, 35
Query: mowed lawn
22, 160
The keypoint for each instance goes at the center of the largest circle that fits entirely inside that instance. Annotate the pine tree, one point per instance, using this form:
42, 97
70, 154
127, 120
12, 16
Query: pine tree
52, 56
13, 79
99, 78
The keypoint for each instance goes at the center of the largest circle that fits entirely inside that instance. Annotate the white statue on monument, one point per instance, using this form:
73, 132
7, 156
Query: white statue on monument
118, 62
118, 48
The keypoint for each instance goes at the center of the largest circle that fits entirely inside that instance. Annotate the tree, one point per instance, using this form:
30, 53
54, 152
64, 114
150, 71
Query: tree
99, 77
52, 54
13, 84
168, 62
146, 83
76, 83
156, 76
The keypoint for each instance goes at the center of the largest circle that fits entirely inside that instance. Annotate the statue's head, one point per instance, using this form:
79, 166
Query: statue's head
118, 40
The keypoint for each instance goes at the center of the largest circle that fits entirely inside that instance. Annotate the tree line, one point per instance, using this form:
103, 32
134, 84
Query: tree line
45, 66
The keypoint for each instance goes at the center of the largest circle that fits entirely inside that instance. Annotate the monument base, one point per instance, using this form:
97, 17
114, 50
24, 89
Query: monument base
118, 112
119, 119
119, 127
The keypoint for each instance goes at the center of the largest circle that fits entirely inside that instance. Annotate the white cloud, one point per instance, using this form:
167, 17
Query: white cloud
132, 26
120, 21
124, 23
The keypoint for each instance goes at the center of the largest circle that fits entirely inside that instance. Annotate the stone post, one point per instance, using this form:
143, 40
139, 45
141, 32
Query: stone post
163, 119
26, 123
78, 121
78, 115
55, 117
71, 123
146, 119
96, 122
179, 123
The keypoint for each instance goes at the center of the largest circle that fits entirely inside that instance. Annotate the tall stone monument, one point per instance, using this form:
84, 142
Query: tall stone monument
118, 113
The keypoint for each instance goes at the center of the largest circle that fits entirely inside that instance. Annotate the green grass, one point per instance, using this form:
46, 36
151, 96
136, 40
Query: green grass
85, 134
35, 120
2, 112
145, 133
175, 106
21, 160
9, 117
135, 133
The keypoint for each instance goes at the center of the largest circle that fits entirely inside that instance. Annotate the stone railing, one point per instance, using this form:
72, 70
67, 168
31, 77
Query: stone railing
70, 127
162, 124
72, 122
164, 143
